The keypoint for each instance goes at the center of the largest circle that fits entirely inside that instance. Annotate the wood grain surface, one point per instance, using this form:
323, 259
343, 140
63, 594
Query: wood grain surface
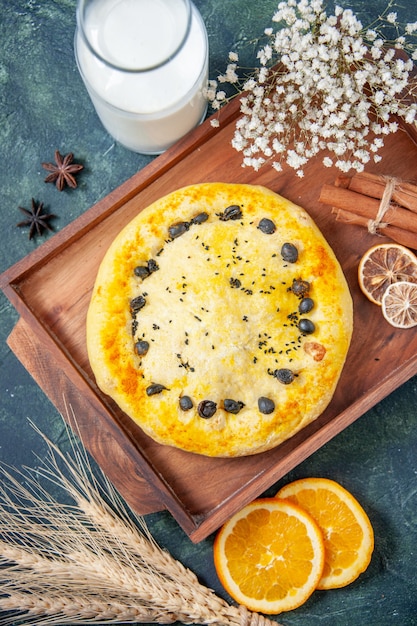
51, 290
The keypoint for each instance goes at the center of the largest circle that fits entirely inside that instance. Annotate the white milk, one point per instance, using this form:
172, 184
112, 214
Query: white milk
152, 102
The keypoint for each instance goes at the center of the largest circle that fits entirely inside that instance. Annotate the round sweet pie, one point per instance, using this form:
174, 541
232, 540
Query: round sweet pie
220, 320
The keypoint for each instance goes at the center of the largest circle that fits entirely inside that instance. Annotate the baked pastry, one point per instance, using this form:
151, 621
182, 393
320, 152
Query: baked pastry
220, 320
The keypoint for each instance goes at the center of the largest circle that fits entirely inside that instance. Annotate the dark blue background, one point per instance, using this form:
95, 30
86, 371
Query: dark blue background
43, 107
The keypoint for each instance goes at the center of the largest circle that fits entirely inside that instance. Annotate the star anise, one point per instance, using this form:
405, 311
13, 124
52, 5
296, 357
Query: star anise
62, 171
37, 220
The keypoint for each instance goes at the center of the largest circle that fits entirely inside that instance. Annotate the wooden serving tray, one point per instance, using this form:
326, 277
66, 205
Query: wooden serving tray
51, 289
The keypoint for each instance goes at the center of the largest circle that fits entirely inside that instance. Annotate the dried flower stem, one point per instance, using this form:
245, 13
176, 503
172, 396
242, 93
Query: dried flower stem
94, 561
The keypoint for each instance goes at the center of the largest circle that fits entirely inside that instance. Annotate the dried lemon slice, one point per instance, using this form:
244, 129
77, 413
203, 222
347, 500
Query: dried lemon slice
383, 265
399, 304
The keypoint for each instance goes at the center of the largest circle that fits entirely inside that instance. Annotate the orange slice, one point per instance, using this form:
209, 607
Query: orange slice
347, 531
399, 304
384, 264
270, 556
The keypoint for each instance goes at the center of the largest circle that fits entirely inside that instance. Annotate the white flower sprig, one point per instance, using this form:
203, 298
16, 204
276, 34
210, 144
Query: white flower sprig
324, 83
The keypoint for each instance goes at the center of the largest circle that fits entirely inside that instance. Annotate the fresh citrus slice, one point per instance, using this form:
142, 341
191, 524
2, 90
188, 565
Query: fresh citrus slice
384, 264
399, 304
270, 556
347, 531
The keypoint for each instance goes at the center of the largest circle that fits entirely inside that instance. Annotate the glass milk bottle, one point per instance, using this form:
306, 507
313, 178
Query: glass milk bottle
145, 65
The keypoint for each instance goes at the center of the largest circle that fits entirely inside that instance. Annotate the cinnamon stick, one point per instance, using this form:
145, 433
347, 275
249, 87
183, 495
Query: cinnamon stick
404, 194
401, 236
367, 207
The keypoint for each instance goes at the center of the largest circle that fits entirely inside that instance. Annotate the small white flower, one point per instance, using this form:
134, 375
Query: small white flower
294, 160
379, 142
231, 75
371, 35
362, 155
344, 166
238, 142
319, 99
265, 54
376, 53
358, 166
410, 116
389, 55
249, 85
411, 28
379, 97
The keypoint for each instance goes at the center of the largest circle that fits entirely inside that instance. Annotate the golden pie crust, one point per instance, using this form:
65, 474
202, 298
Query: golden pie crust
194, 327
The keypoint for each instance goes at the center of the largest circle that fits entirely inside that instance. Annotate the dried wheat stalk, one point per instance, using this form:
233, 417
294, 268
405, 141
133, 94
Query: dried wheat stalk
94, 560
